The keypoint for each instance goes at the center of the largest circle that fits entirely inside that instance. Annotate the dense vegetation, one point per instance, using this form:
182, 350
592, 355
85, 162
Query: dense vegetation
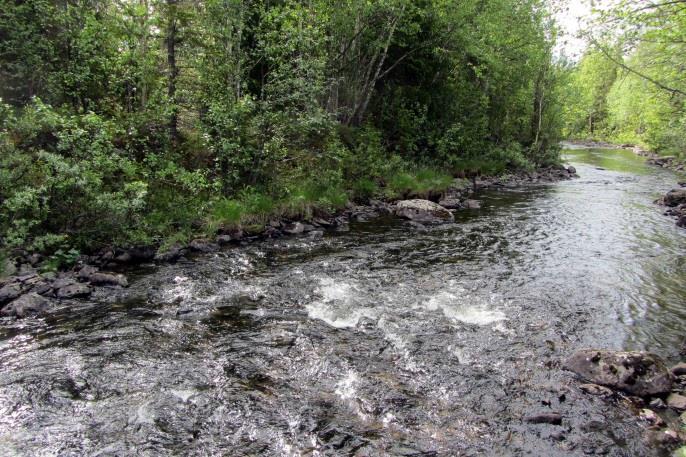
150, 121
630, 85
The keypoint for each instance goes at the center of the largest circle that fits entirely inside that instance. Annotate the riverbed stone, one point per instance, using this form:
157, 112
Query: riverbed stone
74, 291
9, 292
676, 401
552, 418
296, 228
472, 204
637, 373
571, 170
25, 305
202, 245
675, 197
109, 279
423, 211
450, 203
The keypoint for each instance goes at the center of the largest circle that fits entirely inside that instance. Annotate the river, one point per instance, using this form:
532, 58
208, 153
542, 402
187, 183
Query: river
381, 340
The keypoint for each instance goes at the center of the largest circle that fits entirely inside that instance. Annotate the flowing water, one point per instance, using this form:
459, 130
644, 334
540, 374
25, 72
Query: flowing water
377, 341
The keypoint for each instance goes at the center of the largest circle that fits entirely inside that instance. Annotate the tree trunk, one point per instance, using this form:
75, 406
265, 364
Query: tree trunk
173, 71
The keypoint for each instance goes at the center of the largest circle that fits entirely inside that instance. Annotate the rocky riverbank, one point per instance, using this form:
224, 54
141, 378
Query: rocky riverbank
27, 291
642, 380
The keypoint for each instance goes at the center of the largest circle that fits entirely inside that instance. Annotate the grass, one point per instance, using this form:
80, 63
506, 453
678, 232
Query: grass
422, 183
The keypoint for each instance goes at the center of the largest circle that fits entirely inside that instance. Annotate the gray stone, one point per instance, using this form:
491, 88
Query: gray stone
571, 170
295, 228
63, 282
675, 197
9, 292
472, 204
637, 373
544, 418
203, 246
450, 203
86, 272
74, 291
676, 401
108, 279
423, 211
679, 369
30, 303
171, 254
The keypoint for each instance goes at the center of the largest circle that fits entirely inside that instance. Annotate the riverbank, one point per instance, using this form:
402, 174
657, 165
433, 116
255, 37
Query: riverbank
653, 158
28, 291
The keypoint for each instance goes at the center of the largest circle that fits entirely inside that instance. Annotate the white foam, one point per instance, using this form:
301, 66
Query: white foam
345, 388
454, 307
338, 305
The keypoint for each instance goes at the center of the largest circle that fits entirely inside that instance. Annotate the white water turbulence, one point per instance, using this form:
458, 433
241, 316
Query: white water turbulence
340, 304
459, 306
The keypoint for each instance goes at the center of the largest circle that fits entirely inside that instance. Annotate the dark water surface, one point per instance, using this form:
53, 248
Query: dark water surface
378, 341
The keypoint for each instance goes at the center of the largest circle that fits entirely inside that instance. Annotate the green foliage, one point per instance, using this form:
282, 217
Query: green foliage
142, 122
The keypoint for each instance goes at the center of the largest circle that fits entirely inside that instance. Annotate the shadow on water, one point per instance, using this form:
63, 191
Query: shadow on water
382, 340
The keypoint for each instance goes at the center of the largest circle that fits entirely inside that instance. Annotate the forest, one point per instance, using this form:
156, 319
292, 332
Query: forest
148, 122
151, 122
629, 87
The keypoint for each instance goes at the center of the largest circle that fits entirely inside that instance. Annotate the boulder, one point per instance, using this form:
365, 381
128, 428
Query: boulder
169, 255
295, 228
676, 401
74, 291
682, 221
205, 246
637, 373
423, 211
571, 170
675, 197
30, 303
9, 292
85, 273
108, 279
450, 203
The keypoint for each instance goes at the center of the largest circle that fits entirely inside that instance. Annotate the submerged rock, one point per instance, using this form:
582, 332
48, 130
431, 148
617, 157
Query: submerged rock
25, 305
544, 418
472, 204
637, 373
451, 203
108, 279
423, 211
571, 170
74, 291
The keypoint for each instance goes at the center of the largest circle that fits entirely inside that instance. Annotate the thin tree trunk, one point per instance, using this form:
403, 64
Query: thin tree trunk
173, 71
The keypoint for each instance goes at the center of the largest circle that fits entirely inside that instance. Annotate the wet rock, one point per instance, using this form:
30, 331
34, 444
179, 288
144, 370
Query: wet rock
681, 222
295, 228
315, 234
571, 170
64, 281
451, 203
544, 418
657, 403
173, 253
9, 292
25, 305
663, 437
679, 369
272, 232
423, 211
637, 373
651, 417
675, 197
595, 389
74, 291
676, 401
472, 204
108, 279
223, 240
201, 245
85, 273
322, 222
417, 226
42, 288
